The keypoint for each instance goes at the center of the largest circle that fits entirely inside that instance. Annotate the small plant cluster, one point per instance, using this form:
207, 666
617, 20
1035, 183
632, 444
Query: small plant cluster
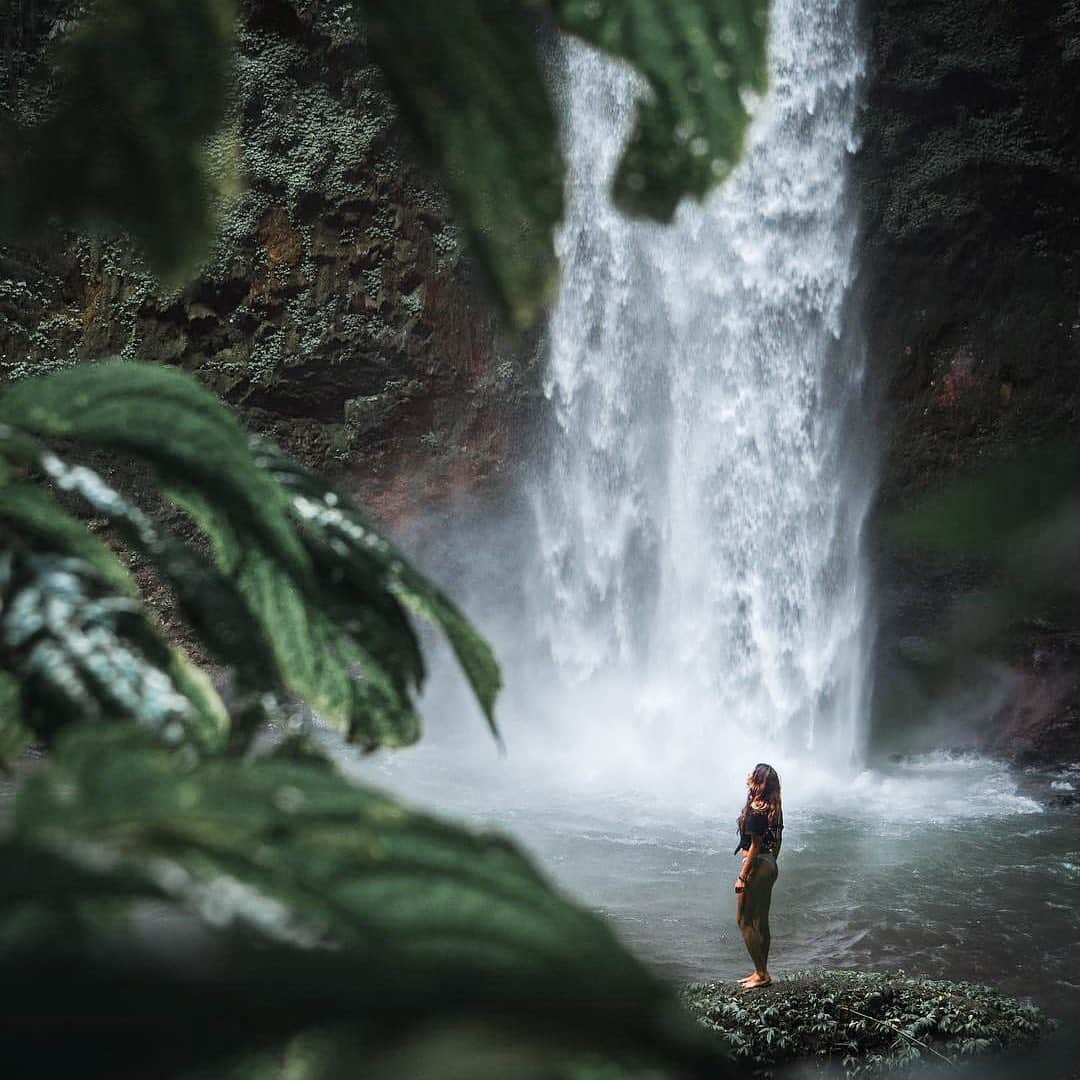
867, 1024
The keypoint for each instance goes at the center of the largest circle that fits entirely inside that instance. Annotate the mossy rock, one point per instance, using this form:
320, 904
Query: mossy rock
862, 1024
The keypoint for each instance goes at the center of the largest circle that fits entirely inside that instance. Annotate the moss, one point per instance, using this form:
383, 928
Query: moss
865, 1024
337, 274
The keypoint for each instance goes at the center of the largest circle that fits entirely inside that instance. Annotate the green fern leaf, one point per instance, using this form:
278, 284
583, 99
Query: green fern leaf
207, 598
364, 569
30, 513
168, 418
15, 736
337, 674
441, 921
315, 657
699, 57
81, 652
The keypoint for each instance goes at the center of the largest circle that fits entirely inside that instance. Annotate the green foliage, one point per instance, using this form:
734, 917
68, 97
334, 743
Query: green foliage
316, 658
170, 420
209, 600
482, 111
15, 736
295, 855
80, 652
989, 512
364, 570
305, 595
31, 512
142, 87
142, 90
384, 939
700, 58
868, 1025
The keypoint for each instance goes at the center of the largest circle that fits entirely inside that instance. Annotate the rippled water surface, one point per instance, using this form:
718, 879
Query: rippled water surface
941, 867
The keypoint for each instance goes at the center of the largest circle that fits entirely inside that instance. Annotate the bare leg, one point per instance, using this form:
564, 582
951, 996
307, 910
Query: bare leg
753, 918
740, 903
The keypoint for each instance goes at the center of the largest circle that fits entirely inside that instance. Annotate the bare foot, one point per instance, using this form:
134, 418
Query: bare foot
747, 978
756, 982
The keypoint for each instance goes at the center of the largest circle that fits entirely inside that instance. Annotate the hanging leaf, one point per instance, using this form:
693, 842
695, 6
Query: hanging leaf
700, 59
31, 514
207, 598
315, 657
363, 570
337, 674
467, 77
172, 421
81, 652
437, 922
141, 88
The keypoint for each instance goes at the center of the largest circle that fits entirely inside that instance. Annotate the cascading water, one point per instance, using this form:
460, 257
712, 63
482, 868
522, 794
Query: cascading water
698, 577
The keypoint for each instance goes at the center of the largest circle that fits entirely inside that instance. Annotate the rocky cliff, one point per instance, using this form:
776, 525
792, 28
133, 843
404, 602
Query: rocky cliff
338, 310
970, 183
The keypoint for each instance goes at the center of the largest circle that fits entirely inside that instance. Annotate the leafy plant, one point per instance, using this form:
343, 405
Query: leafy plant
141, 87
304, 596
155, 793
334, 930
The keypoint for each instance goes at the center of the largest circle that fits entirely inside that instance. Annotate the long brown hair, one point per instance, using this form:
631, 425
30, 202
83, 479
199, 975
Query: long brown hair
763, 787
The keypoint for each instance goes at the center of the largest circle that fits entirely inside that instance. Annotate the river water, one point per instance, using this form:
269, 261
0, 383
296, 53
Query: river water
677, 587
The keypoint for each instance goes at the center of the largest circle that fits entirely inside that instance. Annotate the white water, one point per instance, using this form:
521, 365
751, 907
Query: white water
699, 573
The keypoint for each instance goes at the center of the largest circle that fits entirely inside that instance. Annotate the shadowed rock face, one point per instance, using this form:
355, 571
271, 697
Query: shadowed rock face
970, 175
337, 311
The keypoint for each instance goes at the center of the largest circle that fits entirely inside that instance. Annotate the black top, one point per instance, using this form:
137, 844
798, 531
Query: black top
757, 824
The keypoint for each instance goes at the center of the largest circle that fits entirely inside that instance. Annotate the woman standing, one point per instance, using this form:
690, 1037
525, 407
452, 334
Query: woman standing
761, 827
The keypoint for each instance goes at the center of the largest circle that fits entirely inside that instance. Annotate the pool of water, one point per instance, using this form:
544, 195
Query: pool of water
943, 867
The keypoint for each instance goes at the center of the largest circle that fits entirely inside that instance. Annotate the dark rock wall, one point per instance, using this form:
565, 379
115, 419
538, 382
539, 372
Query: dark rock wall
970, 182
338, 311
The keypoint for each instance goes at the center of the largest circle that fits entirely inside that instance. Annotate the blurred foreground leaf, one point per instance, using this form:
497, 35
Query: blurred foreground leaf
80, 652
167, 418
430, 923
700, 59
468, 79
303, 594
142, 87
363, 571
987, 513
31, 513
208, 600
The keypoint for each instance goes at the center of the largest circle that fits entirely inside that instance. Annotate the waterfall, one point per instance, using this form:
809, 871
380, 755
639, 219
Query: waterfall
696, 576
677, 589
